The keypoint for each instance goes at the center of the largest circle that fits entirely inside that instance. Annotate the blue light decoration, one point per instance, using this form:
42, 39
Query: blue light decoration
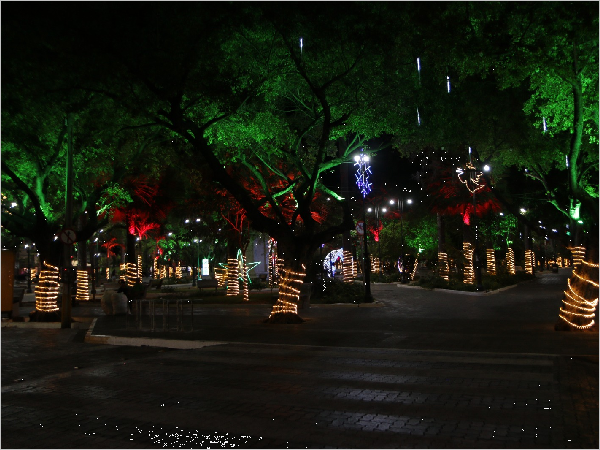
331, 259
362, 173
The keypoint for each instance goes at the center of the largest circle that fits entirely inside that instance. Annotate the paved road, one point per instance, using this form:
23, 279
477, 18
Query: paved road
422, 370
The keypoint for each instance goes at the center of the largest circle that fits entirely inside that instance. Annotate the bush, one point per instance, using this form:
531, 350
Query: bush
257, 284
337, 291
489, 282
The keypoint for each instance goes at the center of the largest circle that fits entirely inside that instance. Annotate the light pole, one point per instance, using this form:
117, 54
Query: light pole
401, 200
195, 271
28, 268
362, 181
383, 210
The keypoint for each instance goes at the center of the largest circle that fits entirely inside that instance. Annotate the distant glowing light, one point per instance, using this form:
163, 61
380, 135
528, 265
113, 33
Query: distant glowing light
418, 117
448, 83
544, 124
362, 173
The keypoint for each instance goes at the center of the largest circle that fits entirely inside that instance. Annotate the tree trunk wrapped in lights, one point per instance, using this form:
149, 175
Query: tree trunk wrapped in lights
578, 254
289, 292
233, 284
139, 267
131, 276
221, 276
415, 267
510, 261
82, 286
580, 299
443, 266
178, 273
529, 261
491, 261
46, 292
469, 274
347, 265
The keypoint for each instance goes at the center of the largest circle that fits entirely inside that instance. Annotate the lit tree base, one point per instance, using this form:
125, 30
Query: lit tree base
42, 316
561, 325
286, 317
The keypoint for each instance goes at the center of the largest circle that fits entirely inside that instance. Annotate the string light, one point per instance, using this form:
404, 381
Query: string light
131, 276
155, 271
46, 292
221, 276
510, 261
579, 312
163, 272
123, 269
139, 267
472, 183
375, 263
443, 268
245, 277
82, 286
469, 275
491, 261
289, 292
414, 272
529, 261
348, 266
578, 254
178, 273
108, 273
233, 285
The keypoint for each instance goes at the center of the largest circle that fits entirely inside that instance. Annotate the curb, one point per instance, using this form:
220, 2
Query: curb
143, 341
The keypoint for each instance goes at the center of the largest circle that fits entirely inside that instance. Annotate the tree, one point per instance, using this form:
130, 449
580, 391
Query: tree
251, 104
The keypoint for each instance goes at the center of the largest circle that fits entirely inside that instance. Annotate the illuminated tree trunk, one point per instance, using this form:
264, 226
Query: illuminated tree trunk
580, 300
233, 284
131, 260
443, 266
468, 250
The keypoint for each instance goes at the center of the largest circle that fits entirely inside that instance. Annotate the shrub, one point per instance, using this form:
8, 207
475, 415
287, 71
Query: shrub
336, 291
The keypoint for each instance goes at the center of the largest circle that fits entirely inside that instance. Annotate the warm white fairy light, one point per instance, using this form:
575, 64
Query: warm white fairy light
469, 275
233, 284
131, 276
579, 312
510, 261
82, 286
107, 273
529, 261
414, 272
139, 267
178, 273
472, 183
578, 254
491, 261
289, 292
586, 280
155, 271
46, 292
123, 269
221, 276
443, 267
163, 272
375, 264
347, 264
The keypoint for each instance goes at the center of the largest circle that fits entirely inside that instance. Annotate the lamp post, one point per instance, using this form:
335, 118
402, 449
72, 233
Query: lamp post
362, 181
195, 271
400, 203
28, 268
383, 210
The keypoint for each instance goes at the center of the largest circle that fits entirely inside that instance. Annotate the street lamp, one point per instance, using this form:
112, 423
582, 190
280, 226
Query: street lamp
362, 181
400, 203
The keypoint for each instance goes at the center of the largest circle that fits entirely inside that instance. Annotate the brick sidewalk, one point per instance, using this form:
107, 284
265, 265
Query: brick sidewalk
425, 369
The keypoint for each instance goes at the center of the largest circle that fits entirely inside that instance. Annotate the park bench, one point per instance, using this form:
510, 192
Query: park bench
208, 283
